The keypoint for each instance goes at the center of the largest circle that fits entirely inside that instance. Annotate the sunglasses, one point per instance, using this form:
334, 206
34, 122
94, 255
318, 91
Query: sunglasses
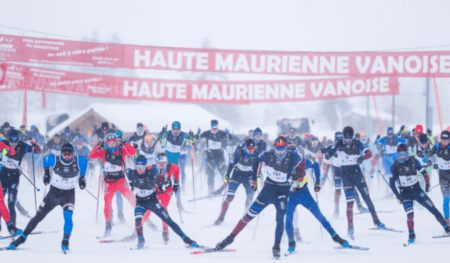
348, 138
13, 140
281, 148
402, 154
140, 166
250, 148
258, 136
67, 154
161, 163
111, 137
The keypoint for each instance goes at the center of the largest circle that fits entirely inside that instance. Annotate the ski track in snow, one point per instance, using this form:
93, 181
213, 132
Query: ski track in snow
384, 246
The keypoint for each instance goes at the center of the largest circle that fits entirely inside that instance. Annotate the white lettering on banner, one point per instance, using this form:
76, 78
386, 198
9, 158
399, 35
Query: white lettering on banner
410, 62
202, 61
350, 88
174, 90
362, 68
138, 57
392, 63
224, 65
241, 64
199, 93
445, 64
189, 56
179, 60
342, 65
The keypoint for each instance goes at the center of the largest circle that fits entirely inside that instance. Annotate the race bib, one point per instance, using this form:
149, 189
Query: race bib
349, 160
64, 183
406, 181
390, 149
276, 176
173, 148
443, 164
213, 145
10, 163
143, 192
109, 167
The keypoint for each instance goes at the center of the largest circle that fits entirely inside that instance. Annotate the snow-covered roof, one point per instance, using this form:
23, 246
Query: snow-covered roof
154, 115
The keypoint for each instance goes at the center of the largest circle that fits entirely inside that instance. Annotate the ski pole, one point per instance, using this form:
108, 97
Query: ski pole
435, 186
98, 194
317, 201
193, 171
179, 211
92, 194
34, 178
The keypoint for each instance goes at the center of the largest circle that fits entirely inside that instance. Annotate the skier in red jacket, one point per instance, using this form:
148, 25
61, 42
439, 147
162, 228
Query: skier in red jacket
113, 157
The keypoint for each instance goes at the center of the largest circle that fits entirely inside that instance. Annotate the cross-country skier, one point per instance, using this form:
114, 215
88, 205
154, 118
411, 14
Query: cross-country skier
10, 172
174, 142
279, 164
389, 144
216, 141
12, 229
349, 151
67, 136
301, 195
138, 136
145, 184
292, 138
241, 166
149, 149
53, 146
423, 153
113, 158
404, 171
442, 151
65, 171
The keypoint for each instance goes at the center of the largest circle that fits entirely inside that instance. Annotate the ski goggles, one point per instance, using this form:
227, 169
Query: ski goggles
13, 139
140, 129
140, 166
363, 138
257, 136
402, 154
281, 148
348, 137
111, 137
250, 148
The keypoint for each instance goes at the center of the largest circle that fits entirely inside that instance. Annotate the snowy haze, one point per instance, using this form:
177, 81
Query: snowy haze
254, 25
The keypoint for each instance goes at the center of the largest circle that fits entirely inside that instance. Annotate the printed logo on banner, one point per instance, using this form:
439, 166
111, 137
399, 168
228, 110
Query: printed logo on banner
2, 73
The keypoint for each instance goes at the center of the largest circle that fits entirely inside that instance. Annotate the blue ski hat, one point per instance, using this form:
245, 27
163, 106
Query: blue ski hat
257, 131
176, 125
141, 160
118, 133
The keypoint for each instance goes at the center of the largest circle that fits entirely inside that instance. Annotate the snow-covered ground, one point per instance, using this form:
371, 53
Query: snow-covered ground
84, 246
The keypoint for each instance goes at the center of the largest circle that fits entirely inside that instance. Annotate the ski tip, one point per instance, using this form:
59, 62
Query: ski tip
197, 252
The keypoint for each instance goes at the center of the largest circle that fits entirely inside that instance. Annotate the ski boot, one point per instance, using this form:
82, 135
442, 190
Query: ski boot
215, 193
412, 237
141, 242
20, 240
152, 226
378, 223
189, 241
108, 229
297, 235
179, 205
292, 244
336, 213
65, 243
351, 231
447, 229
362, 209
339, 240
219, 221
276, 251
121, 217
227, 241
13, 230
165, 235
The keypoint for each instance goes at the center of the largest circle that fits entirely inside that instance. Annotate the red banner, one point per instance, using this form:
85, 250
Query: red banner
368, 64
227, 92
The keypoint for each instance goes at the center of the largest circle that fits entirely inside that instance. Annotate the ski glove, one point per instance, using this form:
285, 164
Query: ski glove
254, 185
46, 179
164, 129
191, 134
317, 187
199, 131
82, 182
402, 128
360, 159
176, 187
429, 132
399, 199
226, 179
427, 188
135, 145
435, 166
131, 186
378, 137
101, 144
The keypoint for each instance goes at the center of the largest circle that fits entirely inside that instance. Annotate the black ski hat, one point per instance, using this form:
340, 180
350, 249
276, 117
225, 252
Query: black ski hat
291, 129
13, 133
141, 159
445, 135
348, 132
338, 136
214, 122
423, 138
140, 125
67, 129
402, 148
250, 143
6, 125
67, 147
105, 125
